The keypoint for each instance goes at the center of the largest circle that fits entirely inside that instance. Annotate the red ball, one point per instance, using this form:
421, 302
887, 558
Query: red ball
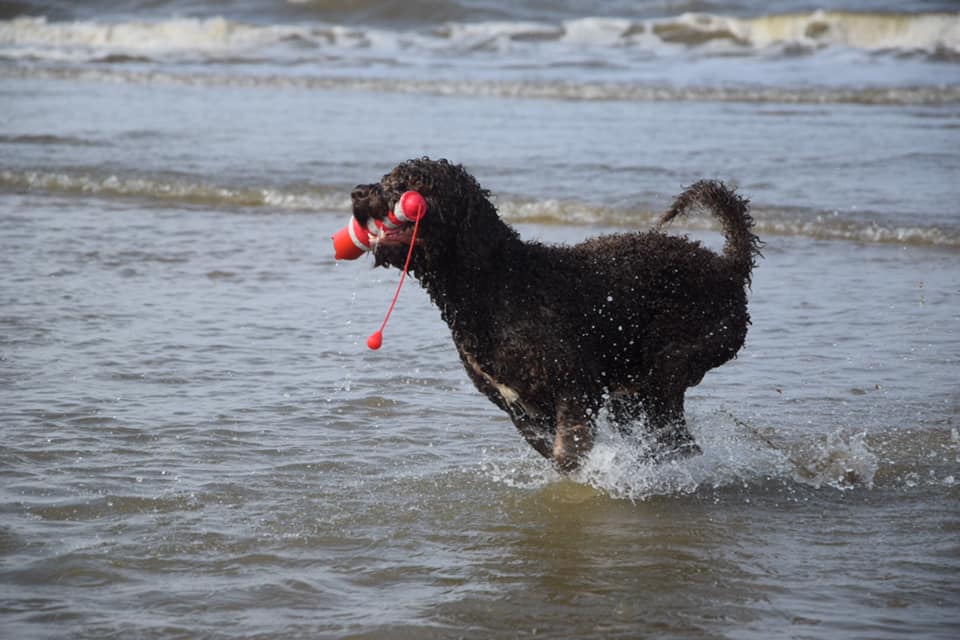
413, 205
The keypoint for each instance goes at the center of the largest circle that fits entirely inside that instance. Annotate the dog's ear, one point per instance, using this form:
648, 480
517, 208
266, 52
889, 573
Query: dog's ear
481, 231
412, 175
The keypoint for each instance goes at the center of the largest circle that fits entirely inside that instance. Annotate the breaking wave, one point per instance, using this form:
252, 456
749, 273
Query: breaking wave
933, 34
695, 57
768, 220
189, 191
173, 189
929, 33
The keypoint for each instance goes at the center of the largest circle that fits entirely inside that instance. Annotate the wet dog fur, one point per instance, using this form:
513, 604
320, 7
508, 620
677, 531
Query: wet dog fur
552, 333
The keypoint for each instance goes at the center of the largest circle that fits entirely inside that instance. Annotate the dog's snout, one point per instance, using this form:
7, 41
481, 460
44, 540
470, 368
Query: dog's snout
368, 201
360, 192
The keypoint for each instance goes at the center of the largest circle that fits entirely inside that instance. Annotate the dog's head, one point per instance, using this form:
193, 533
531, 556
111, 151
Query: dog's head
459, 217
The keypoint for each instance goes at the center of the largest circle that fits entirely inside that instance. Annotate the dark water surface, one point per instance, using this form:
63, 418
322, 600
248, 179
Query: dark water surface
197, 444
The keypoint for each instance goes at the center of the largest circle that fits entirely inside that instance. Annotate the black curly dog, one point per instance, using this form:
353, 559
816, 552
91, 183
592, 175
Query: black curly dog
551, 334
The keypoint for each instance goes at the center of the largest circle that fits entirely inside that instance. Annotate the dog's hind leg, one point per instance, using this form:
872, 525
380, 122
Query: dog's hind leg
661, 419
666, 423
662, 398
676, 369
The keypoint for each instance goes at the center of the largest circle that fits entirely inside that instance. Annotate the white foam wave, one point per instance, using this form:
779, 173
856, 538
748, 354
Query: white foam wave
830, 227
213, 34
553, 211
768, 222
600, 31
868, 31
473, 35
36, 37
824, 228
190, 191
171, 189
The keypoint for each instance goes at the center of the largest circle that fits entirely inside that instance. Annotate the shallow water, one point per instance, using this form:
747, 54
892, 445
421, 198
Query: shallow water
197, 443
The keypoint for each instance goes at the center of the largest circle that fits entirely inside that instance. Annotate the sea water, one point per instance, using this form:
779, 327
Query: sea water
197, 443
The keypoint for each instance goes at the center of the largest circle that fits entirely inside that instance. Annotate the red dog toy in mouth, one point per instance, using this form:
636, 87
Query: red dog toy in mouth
352, 241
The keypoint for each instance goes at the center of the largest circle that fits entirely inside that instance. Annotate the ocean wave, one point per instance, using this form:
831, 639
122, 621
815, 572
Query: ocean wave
769, 220
189, 192
37, 37
71, 141
867, 31
923, 95
933, 34
185, 191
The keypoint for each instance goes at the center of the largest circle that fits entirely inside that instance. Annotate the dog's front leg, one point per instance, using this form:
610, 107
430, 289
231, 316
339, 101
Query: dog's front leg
574, 438
534, 431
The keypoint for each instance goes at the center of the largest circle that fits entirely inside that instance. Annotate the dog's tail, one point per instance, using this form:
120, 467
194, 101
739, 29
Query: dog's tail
742, 247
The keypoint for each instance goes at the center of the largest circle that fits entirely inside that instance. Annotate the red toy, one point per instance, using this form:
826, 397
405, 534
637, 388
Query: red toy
352, 241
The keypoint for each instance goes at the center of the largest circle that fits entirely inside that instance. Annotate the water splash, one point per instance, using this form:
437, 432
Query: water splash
842, 461
520, 469
622, 466
735, 455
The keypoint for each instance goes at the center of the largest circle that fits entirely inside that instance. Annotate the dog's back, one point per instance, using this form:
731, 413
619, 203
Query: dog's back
616, 307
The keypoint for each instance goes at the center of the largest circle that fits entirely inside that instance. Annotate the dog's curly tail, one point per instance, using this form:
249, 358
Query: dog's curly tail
742, 247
